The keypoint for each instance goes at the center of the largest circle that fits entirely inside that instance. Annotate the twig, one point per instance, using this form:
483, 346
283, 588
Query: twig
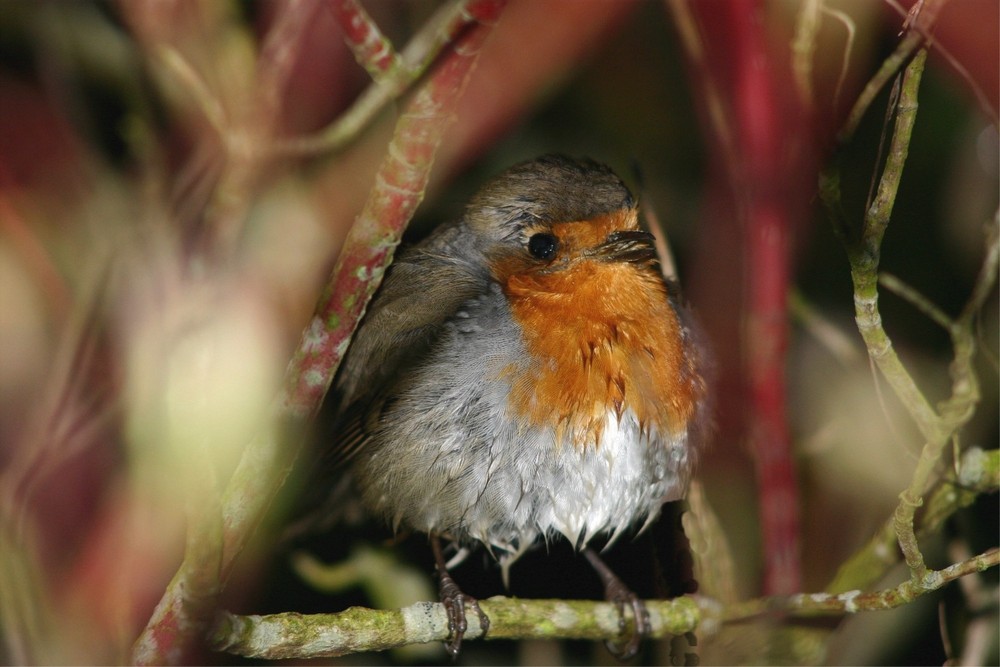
916, 299
851, 30
281, 46
981, 98
393, 74
939, 427
854, 601
694, 44
843, 348
909, 44
368, 248
865, 255
370, 47
749, 117
804, 48
979, 473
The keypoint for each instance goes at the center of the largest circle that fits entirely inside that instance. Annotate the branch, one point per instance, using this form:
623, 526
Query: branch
978, 473
358, 629
919, 29
299, 636
757, 129
179, 617
368, 248
939, 427
851, 602
370, 47
393, 73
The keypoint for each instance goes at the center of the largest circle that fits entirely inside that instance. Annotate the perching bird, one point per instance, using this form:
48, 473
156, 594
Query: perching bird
524, 373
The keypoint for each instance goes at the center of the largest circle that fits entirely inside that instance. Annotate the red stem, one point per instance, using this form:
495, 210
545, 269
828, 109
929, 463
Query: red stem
762, 120
770, 180
372, 49
400, 183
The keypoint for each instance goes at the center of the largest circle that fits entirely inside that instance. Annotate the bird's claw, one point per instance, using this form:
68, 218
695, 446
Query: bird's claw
455, 603
620, 596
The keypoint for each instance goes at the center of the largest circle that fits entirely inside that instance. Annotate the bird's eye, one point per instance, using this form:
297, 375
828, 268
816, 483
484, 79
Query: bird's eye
542, 246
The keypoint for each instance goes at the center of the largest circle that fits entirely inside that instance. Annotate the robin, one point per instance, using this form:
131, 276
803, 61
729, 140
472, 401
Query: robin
524, 373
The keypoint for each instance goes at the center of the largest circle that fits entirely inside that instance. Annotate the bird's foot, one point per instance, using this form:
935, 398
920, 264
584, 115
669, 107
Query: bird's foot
617, 593
455, 603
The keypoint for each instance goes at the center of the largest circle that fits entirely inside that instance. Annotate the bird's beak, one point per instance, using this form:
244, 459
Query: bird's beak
634, 246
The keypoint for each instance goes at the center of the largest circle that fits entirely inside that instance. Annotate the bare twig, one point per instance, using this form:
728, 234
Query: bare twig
916, 299
368, 248
979, 473
854, 601
393, 74
907, 46
371, 48
924, 28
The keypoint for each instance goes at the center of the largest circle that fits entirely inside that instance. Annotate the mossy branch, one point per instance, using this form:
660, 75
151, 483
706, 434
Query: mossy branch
358, 629
939, 426
978, 473
301, 636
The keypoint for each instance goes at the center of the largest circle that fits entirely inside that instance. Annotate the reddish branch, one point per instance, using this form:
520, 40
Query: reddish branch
181, 616
368, 249
371, 48
762, 122
759, 139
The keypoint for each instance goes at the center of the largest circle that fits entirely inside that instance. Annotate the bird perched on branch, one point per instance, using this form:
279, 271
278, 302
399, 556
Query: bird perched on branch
524, 373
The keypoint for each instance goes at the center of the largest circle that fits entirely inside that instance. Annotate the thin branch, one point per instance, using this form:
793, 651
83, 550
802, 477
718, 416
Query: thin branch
278, 55
865, 256
851, 30
191, 81
694, 46
916, 299
864, 267
842, 347
804, 48
370, 47
979, 473
368, 247
852, 602
916, 36
981, 98
392, 81
939, 427
987, 278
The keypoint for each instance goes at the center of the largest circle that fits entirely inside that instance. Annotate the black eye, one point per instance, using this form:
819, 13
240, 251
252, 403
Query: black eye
542, 246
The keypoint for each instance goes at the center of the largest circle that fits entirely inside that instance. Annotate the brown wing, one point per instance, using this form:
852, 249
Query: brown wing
426, 285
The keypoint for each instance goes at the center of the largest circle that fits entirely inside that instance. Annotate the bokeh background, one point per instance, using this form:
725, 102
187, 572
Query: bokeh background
154, 281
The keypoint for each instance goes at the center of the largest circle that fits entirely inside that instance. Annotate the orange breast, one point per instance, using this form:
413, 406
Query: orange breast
602, 337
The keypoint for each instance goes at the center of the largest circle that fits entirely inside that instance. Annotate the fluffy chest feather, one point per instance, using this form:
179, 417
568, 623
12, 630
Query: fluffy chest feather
603, 339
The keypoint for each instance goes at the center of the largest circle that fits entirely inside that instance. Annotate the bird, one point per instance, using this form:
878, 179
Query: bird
524, 374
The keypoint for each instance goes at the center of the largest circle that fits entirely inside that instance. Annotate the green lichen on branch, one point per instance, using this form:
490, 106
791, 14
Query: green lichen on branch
358, 629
